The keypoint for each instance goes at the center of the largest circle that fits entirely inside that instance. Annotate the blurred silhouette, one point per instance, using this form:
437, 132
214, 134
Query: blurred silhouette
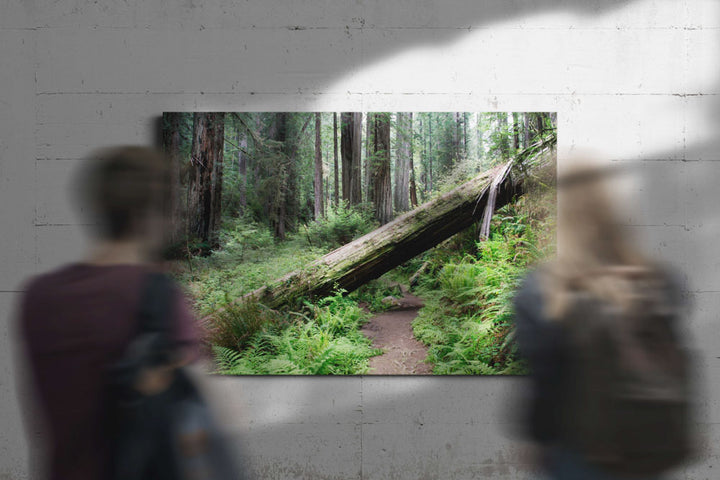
106, 338
609, 396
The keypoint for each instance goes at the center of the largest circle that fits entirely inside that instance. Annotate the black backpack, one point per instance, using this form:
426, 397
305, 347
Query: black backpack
627, 405
149, 433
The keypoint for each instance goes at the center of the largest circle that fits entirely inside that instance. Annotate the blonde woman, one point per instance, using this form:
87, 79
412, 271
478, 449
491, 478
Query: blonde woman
609, 396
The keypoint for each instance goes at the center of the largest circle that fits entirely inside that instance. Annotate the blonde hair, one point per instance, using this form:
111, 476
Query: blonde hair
595, 254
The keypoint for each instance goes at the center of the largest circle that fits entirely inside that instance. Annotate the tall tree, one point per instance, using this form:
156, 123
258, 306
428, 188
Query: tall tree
328, 198
465, 122
318, 183
403, 135
457, 136
366, 177
351, 141
241, 139
203, 175
171, 144
279, 179
526, 130
537, 123
501, 129
429, 183
217, 132
516, 132
381, 189
335, 157
413, 186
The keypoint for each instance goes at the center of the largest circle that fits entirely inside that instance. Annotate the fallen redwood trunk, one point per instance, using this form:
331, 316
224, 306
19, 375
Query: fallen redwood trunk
383, 249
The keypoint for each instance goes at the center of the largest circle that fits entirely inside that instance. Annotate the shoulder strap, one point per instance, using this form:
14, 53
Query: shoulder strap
155, 314
155, 304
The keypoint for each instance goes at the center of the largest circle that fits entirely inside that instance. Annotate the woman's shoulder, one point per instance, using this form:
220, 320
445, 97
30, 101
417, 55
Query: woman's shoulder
530, 285
528, 300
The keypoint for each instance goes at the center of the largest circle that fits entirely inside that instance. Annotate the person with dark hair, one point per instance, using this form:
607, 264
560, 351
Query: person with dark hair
78, 320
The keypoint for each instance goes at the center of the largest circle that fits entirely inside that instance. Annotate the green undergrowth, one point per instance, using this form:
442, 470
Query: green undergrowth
248, 338
467, 320
249, 257
324, 339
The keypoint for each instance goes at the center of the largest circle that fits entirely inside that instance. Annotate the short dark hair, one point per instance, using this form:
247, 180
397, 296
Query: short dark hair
123, 184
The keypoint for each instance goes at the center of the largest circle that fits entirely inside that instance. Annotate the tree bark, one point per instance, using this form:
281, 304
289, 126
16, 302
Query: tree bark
381, 191
171, 144
403, 134
502, 123
319, 210
429, 184
366, 178
242, 169
456, 126
200, 181
217, 125
383, 249
351, 141
335, 157
516, 133
356, 176
413, 186
278, 207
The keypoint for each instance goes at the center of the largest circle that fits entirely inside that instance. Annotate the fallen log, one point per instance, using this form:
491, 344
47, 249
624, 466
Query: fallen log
383, 249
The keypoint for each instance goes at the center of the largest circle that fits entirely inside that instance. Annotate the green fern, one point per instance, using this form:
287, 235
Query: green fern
226, 358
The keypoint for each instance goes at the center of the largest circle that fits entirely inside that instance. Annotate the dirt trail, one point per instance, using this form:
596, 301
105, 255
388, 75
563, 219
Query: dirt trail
392, 331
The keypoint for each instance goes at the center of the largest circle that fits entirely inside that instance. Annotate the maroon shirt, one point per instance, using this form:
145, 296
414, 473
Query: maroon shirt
75, 322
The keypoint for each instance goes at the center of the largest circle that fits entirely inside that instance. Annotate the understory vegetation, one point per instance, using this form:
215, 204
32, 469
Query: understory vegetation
467, 318
468, 289
247, 338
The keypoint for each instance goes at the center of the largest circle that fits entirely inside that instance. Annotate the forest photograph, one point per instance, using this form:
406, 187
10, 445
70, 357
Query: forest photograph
359, 243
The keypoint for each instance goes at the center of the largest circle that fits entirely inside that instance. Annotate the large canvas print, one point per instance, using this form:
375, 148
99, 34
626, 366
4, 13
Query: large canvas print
349, 243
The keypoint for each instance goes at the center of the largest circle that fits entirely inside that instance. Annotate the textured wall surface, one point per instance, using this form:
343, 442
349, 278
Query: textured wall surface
635, 80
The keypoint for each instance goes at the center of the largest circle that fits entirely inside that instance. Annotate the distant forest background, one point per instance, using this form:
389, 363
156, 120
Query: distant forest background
287, 169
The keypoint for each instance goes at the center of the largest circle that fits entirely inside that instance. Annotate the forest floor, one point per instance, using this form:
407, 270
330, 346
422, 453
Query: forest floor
392, 332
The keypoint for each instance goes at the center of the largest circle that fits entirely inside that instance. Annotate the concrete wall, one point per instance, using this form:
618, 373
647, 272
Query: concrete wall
636, 80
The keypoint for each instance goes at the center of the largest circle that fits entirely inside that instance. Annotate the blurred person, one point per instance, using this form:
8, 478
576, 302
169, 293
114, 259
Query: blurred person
609, 394
77, 321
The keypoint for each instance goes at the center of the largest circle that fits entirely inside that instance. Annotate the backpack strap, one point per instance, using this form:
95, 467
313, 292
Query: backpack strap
155, 313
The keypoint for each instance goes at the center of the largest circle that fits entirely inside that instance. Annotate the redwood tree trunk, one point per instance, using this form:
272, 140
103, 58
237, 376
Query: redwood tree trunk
200, 181
356, 176
278, 207
368, 169
380, 167
351, 141
171, 144
403, 134
318, 185
429, 184
217, 127
335, 157
242, 169
413, 186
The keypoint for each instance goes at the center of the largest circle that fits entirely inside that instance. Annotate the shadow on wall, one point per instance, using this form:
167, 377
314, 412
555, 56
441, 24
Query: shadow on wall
375, 427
